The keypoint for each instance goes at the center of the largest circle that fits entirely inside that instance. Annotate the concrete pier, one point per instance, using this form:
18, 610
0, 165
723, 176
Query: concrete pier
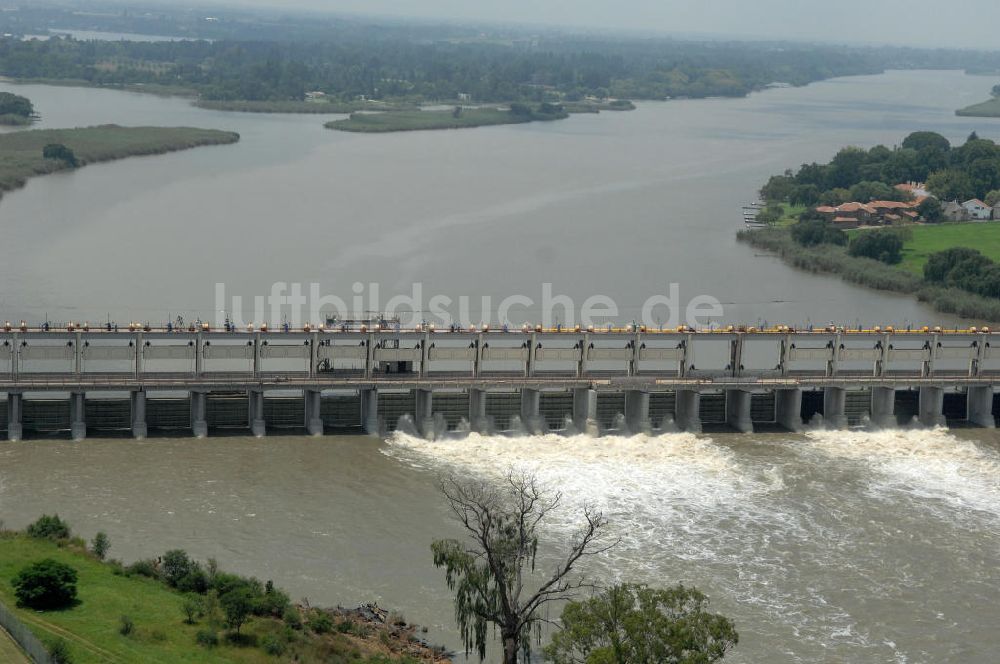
369, 412
477, 411
788, 409
637, 412
313, 413
424, 415
738, 411
199, 409
585, 411
835, 407
77, 416
688, 415
883, 413
139, 428
258, 427
931, 408
980, 403
15, 411
531, 417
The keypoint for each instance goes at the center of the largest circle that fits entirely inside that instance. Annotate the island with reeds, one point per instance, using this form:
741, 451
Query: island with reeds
26, 154
456, 118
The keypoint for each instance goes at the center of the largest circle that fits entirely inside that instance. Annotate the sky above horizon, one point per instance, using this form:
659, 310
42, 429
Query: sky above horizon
959, 23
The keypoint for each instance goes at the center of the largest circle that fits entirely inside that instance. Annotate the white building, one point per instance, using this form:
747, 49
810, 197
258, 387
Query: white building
978, 211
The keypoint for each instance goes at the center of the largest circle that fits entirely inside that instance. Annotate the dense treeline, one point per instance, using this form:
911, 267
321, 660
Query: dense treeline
563, 69
855, 174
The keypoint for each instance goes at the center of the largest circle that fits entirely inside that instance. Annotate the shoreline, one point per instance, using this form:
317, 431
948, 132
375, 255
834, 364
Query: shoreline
21, 152
153, 596
869, 273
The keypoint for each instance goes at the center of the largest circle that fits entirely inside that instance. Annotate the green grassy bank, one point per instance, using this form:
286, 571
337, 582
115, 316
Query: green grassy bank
930, 238
376, 123
91, 627
21, 152
987, 109
108, 594
904, 278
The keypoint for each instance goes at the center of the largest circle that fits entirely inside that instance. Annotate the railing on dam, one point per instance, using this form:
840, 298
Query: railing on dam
309, 367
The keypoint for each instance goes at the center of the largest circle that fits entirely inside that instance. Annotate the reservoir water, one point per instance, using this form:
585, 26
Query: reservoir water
824, 547
616, 204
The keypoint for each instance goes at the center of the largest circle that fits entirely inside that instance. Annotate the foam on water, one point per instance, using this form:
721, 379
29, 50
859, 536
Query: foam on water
648, 486
933, 466
778, 531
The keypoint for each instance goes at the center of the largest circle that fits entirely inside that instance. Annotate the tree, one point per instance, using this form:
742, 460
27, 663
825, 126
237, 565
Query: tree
866, 191
884, 246
100, 545
457, 112
919, 140
950, 185
45, 585
811, 232
11, 104
490, 573
60, 152
238, 606
940, 263
634, 624
992, 197
49, 527
176, 565
931, 210
192, 608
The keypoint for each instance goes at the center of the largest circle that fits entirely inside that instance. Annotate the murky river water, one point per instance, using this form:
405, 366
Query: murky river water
825, 547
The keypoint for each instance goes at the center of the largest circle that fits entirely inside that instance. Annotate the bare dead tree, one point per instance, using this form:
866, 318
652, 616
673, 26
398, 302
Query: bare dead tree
493, 571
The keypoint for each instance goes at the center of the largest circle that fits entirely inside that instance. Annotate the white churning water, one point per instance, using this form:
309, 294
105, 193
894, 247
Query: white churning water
823, 547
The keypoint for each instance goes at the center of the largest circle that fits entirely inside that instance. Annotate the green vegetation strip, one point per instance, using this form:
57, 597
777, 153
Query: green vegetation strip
424, 120
987, 109
900, 278
928, 239
21, 152
91, 628
303, 107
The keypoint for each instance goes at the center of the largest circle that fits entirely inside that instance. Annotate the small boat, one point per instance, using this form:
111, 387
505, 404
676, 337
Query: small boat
750, 215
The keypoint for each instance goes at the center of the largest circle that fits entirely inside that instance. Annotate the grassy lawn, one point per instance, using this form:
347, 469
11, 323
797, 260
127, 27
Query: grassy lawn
91, 627
21, 151
425, 120
928, 239
161, 635
987, 109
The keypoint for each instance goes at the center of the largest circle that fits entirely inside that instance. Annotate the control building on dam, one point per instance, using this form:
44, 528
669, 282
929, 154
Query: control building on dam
78, 381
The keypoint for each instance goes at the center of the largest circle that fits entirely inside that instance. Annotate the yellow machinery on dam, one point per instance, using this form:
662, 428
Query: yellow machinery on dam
197, 381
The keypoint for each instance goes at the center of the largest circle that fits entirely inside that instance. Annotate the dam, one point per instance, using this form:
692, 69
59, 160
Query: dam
200, 381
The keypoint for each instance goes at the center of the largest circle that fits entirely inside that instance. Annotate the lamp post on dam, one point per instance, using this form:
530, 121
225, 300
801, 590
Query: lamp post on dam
200, 382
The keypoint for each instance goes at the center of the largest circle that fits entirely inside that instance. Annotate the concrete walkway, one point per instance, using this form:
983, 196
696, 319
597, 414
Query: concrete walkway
10, 652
